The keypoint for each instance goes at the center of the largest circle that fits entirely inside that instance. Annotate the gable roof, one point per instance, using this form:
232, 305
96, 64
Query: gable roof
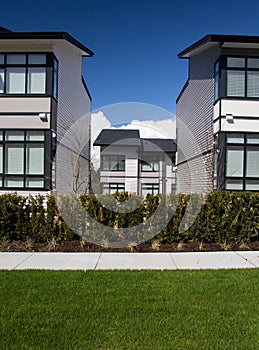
9, 35
212, 39
121, 137
158, 145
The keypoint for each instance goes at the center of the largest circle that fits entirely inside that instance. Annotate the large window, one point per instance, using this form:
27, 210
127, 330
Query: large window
27, 73
240, 78
242, 161
112, 163
150, 163
22, 159
149, 189
110, 188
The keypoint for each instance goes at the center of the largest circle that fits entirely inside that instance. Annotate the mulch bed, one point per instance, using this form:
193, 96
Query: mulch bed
74, 246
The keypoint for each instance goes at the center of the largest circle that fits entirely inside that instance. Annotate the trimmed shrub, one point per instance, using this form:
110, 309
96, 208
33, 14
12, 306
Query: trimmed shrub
220, 217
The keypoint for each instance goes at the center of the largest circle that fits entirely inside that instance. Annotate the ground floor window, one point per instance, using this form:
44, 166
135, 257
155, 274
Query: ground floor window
174, 188
149, 189
237, 156
110, 188
22, 159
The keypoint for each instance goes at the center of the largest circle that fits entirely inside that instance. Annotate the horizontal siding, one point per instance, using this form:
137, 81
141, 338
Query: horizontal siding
194, 177
73, 100
73, 104
194, 116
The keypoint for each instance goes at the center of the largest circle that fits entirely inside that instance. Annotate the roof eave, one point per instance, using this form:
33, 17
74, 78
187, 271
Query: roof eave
220, 39
47, 35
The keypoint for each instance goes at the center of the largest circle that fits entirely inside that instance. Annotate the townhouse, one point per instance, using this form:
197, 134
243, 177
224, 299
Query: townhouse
42, 94
134, 164
217, 115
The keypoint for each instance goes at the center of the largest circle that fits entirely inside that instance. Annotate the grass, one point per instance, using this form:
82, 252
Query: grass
115, 310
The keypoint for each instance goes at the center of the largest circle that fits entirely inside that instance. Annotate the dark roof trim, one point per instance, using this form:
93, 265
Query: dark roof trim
157, 145
86, 88
46, 35
220, 39
108, 137
4, 30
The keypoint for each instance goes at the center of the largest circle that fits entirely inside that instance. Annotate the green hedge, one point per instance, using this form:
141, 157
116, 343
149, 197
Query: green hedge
223, 216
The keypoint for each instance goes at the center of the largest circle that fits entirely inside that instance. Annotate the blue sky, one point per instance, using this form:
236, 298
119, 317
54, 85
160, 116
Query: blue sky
135, 42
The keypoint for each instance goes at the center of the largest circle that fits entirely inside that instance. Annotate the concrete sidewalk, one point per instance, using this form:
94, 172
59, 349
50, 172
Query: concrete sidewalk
129, 261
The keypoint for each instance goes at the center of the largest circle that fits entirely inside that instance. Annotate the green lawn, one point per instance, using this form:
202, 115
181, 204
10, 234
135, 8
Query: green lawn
114, 310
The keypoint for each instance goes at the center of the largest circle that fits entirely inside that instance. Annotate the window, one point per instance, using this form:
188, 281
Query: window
216, 86
235, 83
173, 161
22, 159
242, 161
55, 79
36, 80
15, 80
150, 164
28, 73
110, 188
235, 161
112, 163
174, 188
242, 77
149, 189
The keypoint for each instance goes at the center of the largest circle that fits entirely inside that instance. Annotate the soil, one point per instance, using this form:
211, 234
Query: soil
75, 246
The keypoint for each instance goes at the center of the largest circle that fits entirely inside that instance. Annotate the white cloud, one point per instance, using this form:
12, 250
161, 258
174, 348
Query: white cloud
153, 128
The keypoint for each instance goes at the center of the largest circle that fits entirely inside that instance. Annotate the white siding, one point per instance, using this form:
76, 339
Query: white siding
16, 109
240, 108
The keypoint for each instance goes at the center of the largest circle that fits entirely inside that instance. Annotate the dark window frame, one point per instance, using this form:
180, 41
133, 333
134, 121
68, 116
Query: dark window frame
221, 75
246, 146
49, 69
153, 187
120, 187
151, 161
48, 158
119, 159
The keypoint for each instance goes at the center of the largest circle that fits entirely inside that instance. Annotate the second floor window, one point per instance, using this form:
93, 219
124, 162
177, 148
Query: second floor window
149, 164
237, 77
112, 163
27, 73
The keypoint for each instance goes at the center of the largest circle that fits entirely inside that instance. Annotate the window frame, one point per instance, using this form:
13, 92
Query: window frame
51, 75
25, 175
247, 146
119, 159
153, 189
220, 76
152, 161
120, 187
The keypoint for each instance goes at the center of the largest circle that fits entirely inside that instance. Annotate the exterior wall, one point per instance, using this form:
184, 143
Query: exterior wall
130, 175
73, 104
23, 112
245, 116
194, 111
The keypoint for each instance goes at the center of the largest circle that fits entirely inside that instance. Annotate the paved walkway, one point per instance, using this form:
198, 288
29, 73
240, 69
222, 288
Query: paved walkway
129, 261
